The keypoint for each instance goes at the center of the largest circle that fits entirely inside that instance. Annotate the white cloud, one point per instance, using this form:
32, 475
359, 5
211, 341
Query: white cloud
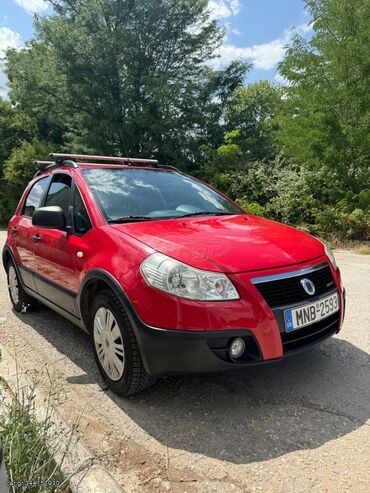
33, 6
8, 39
304, 28
235, 31
235, 6
264, 56
221, 9
281, 80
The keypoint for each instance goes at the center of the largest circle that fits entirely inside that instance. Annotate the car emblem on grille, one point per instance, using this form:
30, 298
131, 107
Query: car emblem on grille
308, 286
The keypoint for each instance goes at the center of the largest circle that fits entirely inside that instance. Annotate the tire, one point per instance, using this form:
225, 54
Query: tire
20, 300
115, 347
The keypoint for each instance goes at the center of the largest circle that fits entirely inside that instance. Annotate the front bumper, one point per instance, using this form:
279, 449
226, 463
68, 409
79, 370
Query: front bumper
167, 352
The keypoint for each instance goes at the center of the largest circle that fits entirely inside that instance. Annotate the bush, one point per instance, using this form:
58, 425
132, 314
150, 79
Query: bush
353, 225
295, 196
255, 182
20, 167
18, 171
294, 202
252, 207
9, 198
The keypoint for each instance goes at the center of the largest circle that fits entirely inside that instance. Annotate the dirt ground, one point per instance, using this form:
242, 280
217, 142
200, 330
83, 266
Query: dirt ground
301, 425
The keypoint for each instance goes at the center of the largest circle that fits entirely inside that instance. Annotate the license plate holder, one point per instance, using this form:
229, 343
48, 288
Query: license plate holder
310, 313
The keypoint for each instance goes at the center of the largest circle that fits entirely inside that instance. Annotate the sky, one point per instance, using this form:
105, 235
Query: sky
256, 31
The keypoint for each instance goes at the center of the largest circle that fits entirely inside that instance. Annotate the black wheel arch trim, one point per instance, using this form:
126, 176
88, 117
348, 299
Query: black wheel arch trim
7, 250
95, 275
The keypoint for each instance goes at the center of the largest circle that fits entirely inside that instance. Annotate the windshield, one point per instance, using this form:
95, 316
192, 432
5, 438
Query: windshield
142, 194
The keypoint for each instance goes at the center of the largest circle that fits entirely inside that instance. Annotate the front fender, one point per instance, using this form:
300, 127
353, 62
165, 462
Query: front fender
100, 275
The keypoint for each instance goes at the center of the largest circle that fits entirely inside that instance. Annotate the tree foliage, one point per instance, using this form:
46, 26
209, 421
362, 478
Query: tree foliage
325, 120
126, 77
252, 112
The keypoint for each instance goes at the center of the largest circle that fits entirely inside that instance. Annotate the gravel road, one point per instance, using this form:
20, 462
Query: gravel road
301, 425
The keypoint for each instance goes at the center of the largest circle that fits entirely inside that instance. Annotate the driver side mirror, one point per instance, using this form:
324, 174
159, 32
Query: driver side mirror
51, 217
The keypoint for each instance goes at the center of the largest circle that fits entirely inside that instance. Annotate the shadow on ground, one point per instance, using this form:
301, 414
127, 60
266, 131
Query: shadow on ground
245, 416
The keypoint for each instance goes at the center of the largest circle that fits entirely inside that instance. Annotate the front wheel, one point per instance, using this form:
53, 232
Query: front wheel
115, 347
19, 298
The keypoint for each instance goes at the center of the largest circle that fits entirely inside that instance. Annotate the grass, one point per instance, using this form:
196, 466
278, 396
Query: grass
33, 449
363, 249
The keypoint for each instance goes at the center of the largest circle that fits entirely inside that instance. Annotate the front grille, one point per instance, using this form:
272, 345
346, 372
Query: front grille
289, 291
312, 334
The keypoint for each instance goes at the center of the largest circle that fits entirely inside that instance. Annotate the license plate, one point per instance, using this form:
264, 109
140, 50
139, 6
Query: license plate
297, 318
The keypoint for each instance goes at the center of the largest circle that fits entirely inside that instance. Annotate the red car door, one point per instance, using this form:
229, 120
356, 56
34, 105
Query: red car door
56, 253
24, 232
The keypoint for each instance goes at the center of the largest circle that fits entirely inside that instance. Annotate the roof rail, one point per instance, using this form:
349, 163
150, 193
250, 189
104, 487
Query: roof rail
48, 165
58, 157
43, 165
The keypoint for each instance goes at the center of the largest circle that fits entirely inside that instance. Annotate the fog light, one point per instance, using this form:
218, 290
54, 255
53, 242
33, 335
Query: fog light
237, 348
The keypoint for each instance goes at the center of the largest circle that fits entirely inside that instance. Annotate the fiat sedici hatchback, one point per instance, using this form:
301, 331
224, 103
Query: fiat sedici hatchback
166, 274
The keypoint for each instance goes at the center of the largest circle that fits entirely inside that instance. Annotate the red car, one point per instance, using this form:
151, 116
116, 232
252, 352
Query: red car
166, 274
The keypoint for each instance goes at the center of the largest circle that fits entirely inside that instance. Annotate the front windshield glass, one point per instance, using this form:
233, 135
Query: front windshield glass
142, 194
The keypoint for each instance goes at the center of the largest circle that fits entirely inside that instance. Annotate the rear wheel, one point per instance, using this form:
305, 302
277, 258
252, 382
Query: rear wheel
19, 298
115, 347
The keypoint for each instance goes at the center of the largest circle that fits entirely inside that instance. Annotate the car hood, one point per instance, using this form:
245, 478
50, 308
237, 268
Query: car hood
231, 244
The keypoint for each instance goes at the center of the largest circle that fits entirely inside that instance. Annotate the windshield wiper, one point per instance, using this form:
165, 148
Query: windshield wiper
206, 213
130, 219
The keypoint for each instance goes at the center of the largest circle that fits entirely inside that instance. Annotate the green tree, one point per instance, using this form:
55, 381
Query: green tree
249, 133
124, 76
252, 112
325, 120
15, 128
38, 87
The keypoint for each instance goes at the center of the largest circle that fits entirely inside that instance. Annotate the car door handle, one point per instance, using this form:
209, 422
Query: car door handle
14, 230
36, 238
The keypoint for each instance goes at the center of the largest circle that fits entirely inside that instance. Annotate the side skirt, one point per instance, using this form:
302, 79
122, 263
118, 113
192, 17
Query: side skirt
68, 300
72, 318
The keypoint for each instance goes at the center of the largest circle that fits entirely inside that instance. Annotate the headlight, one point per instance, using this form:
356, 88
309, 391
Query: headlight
182, 280
330, 254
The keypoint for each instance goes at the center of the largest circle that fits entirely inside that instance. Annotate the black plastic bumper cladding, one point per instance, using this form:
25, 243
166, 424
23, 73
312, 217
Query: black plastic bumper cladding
175, 352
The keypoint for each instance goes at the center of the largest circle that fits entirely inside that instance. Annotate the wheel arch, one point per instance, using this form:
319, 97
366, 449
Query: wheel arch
8, 255
97, 280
